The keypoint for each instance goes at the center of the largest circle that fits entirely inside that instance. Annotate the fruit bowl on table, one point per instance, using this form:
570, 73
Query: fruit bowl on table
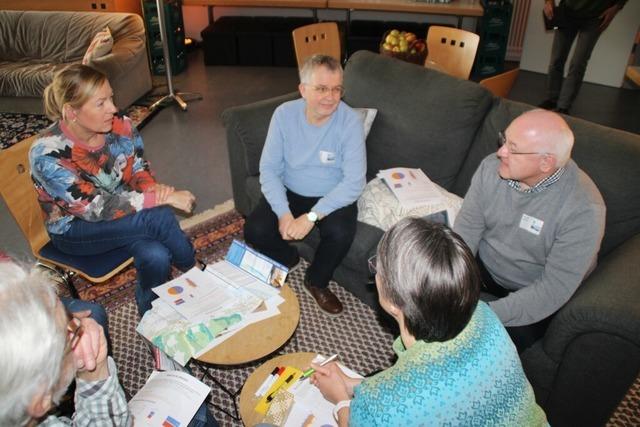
404, 46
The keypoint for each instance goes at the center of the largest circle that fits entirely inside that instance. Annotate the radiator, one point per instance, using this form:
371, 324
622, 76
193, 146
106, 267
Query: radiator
518, 29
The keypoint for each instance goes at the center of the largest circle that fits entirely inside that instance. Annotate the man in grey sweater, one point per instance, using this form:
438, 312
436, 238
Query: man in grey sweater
535, 221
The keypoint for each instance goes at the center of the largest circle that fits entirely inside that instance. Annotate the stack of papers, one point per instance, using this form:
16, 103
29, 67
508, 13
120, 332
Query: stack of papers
201, 309
411, 187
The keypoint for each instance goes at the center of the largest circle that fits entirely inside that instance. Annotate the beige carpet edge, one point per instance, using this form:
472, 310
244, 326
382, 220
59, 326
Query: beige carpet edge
206, 215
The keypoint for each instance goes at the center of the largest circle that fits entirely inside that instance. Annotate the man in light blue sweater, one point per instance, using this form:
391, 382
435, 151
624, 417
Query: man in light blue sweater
312, 171
535, 220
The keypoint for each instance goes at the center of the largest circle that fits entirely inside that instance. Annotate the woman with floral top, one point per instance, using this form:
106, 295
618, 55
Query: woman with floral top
96, 190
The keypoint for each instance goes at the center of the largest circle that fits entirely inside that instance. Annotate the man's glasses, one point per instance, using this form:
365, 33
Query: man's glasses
502, 140
325, 90
74, 333
373, 265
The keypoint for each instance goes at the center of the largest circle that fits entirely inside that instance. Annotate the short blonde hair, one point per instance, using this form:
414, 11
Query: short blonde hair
73, 85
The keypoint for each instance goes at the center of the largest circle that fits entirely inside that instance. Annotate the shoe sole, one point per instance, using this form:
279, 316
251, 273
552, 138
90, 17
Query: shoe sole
304, 288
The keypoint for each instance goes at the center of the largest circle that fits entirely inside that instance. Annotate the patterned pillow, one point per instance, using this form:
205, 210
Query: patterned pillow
368, 115
378, 206
100, 46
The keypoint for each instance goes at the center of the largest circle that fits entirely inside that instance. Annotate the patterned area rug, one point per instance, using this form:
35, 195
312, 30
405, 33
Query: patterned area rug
356, 335
15, 127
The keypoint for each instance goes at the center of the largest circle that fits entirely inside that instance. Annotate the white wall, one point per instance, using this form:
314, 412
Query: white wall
609, 59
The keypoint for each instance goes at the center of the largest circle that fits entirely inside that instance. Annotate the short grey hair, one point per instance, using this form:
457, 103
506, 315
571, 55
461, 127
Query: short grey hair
315, 61
33, 341
429, 273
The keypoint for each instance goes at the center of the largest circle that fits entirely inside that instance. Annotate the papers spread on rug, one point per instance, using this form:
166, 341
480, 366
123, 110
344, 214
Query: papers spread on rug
168, 398
411, 186
201, 309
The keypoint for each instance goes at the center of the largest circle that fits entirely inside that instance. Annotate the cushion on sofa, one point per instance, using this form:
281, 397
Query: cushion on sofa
449, 116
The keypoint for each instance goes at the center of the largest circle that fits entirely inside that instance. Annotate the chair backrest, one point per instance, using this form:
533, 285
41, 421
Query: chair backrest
322, 38
452, 49
501, 84
20, 195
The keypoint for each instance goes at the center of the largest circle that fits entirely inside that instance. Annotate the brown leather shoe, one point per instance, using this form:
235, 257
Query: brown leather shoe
326, 300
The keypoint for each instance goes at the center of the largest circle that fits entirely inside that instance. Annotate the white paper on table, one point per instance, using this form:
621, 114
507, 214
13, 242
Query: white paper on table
196, 295
168, 396
308, 400
239, 278
271, 310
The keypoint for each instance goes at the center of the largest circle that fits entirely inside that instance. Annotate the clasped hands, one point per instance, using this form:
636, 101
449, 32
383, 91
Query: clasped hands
179, 199
90, 354
291, 228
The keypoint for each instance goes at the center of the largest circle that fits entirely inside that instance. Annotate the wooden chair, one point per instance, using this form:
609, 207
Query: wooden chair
21, 198
452, 49
501, 84
323, 37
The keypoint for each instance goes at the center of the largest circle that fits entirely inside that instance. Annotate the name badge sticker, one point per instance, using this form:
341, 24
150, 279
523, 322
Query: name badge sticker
531, 224
327, 157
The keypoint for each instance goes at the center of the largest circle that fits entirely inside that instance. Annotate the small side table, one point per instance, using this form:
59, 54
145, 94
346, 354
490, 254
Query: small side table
248, 399
254, 342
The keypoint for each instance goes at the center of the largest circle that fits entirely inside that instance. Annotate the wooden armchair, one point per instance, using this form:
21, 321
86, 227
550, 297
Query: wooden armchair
21, 198
311, 39
453, 50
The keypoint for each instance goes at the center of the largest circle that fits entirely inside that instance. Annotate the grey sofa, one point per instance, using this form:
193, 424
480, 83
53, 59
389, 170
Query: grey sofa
590, 354
34, 45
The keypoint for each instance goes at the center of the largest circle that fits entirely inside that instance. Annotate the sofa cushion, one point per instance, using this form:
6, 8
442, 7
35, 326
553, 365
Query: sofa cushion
25, 78
449, 115
101, 44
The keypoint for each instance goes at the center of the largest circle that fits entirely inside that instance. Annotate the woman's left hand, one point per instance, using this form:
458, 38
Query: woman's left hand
330, 382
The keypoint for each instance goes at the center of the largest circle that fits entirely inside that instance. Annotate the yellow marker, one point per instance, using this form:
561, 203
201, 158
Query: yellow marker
289, 376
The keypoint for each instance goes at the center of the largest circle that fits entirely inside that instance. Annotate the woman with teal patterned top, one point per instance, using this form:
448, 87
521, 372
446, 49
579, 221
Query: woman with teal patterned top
456, 364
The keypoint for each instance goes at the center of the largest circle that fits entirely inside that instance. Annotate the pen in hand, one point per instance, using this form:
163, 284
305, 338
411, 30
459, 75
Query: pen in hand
310, 371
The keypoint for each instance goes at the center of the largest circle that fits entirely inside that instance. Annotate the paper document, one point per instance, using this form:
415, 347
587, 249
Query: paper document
411, 186
169, 398
308, 400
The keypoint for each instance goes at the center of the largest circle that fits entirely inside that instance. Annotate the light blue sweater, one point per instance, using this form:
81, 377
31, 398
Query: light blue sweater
474, 379
327, 161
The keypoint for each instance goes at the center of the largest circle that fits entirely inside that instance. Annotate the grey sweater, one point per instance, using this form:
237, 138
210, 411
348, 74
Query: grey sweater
540, 245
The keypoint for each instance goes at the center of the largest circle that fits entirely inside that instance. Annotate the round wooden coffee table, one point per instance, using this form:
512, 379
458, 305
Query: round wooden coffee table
248, 399
258, 339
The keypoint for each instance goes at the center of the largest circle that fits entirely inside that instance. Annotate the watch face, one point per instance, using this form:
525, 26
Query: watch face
312, 216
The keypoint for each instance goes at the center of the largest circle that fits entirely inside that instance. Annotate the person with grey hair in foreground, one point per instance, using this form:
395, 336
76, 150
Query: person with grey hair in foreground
312, 171
43, 349
535, 221
456, 364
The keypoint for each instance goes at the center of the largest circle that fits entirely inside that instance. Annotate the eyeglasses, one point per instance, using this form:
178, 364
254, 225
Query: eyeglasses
74, 333
325, 90
502, 140
373, 265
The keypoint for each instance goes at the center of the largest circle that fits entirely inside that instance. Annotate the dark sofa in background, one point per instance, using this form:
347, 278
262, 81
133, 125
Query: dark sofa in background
590, 354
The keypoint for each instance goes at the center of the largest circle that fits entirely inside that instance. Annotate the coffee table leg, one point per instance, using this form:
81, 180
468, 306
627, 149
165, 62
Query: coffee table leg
232, 395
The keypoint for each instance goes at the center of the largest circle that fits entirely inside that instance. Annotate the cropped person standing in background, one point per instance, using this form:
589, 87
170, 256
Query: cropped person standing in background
586, 19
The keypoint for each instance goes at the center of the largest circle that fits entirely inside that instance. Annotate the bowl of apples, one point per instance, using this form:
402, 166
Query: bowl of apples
404, 45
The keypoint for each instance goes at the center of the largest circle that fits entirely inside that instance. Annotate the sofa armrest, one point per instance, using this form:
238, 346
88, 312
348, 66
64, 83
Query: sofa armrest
590, 353
247, 127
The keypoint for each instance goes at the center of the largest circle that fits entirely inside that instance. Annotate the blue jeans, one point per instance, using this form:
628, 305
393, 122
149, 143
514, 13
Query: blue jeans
152, 236
203, 418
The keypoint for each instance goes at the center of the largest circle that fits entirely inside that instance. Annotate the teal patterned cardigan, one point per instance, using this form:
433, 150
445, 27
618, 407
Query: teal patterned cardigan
475, 379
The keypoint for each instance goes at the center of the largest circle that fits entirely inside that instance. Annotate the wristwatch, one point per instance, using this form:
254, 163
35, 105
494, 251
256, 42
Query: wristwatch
312, 216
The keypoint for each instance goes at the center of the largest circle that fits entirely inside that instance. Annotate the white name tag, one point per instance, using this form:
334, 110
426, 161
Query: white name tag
327, 157
531, 224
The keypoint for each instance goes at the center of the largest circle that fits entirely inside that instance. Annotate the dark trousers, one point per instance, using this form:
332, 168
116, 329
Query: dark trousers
522, 336
152, 236
336, 234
